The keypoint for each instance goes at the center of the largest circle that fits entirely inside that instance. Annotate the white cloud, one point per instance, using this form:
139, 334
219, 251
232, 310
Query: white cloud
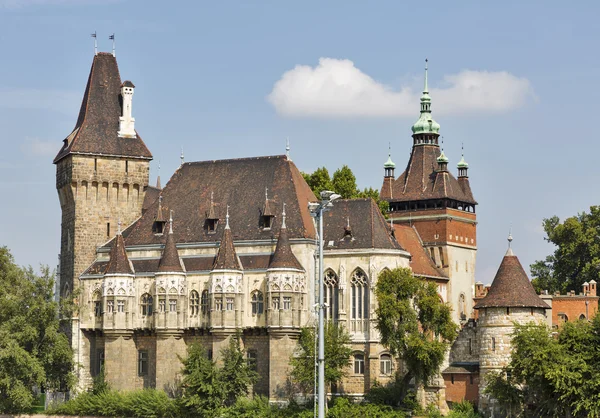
40, 147
336, 88
57, 100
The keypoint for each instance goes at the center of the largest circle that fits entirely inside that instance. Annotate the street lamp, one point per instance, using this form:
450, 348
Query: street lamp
316, 211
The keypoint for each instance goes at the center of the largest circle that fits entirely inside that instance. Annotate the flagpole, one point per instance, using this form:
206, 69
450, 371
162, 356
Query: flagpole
112, 37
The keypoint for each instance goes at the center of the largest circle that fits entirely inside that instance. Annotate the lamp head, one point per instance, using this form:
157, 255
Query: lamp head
326, 194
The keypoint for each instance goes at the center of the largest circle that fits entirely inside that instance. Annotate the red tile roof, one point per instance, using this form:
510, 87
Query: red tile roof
420, 262
118, 263
283, 257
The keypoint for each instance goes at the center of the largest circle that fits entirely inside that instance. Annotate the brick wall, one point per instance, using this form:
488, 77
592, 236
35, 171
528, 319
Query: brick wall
461, 387
574, 307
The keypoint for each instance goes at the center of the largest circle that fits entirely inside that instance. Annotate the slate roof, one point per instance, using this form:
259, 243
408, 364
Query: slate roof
169, 261
511, 287
239, 183
118, 263
368, 226
96, 130
420, 262
150, 197
227, 258
422, 181
283, 257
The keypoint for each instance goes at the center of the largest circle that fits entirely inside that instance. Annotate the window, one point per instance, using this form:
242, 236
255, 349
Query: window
493, 343
95, 165
110, 306
456, 266
172, 305
563, 317
211, 225
99, 360
266, 221
359, 364
120, 306
146, 304
360, 295
194, 302
108, 229
287, 303
126, 166
331, 295
582, 316
229, 304
204, 302
275, 303
385, 364
257, 303
142, 363
441, 250
452, 378
162, 305
97, 308
218, 304
251, 360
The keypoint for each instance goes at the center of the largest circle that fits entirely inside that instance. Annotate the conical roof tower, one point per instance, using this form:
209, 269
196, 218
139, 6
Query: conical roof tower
227, 258
283, 257
169, 261
119, 262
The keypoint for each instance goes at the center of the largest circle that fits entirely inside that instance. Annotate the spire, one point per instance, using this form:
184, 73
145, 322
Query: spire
118, 262
181, 157
283, 257
462, 164
226, 257
287, 148
267, 208
211, 210
159, 213
442, 160
509, 252
169, 261
425, 124
389, 166
158, 185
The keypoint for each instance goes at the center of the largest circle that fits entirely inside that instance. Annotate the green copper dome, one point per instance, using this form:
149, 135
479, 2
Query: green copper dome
389, 163
426, 124
462, 163
442, 158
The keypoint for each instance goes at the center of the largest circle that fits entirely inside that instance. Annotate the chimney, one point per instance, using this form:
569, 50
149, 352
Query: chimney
126, 121
592, 288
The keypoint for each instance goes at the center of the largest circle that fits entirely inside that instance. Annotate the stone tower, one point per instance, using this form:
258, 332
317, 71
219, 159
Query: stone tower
511, 299
441, 208
102, 170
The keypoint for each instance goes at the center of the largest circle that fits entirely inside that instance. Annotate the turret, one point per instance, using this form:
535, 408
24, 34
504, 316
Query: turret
126, 121
442, 161
425, 129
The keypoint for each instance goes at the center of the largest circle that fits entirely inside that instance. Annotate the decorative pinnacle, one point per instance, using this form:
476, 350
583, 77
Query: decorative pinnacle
426, 89
227, 218
283, 218
119, 227
171, 221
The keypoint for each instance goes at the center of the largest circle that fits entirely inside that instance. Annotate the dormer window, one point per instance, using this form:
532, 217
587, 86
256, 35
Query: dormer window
267, 221
158, 227
212, 220
211, 225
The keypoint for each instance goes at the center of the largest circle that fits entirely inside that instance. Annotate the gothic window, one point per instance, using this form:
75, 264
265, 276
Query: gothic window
142, 363
120, 306
194, 302
218, 304
229, 304
110, 306
275, 303
359, 295
251, 358
385, 364
146, 303
359, 364
257, 303
582, 316
331, 295
563, 317
162, 305
204, 302
287, 303
96, 300
172, 305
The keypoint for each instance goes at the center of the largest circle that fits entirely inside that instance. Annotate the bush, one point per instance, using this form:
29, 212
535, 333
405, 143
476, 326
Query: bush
343, 408
463, 409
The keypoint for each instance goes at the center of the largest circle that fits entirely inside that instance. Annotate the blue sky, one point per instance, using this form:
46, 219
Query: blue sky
516, 82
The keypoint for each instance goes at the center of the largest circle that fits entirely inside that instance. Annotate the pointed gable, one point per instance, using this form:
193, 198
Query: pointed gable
96, 130
119, 262
226, 257
511, 287
169, 261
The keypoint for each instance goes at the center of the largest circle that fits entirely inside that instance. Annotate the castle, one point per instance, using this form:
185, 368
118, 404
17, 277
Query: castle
230, 245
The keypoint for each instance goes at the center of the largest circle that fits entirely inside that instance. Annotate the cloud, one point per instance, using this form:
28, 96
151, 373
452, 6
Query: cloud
56, 100
336, 88
39, 147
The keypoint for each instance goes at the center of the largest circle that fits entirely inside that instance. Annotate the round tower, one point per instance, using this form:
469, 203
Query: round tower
511, 299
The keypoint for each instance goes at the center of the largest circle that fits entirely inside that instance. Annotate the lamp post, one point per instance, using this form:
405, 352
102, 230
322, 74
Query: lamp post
316, 210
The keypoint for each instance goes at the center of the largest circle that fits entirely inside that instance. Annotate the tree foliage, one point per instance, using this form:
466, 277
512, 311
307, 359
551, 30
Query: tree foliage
576, 258
414, 323
33, 352
552, 376
237, 375
337, 355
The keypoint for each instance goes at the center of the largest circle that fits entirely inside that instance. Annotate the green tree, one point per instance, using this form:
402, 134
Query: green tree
552, 376
236, 375
202, 388
318, 181
337, 355
344, 183
576, 258
414, 323
384, 205
33, 352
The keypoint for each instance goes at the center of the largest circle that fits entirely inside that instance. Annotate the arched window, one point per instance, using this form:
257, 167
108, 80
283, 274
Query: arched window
331, 295
146, 304
204, 303
194, 303
582, 316
385, 364
359, 363
360, 295
257, 303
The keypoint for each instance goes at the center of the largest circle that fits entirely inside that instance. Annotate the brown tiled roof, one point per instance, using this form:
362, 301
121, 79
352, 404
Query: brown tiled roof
369, 228
267, 209
96, 130
511, 287
151, 196
169, 260
462, 368
226, 257
118, 263
421, 180
283, 257
420, 262
238, 183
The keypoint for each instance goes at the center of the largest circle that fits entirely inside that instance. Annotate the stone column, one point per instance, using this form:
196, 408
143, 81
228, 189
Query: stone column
169, 346
120, 360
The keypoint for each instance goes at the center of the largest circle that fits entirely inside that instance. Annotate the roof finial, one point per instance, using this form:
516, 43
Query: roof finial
171, 221
211, 198
112, 38
348, 222
95, 36
119, 227
158, 185
510, 237
426, 88
283, 218
287, 148
181, 157
227, 218
266, 193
